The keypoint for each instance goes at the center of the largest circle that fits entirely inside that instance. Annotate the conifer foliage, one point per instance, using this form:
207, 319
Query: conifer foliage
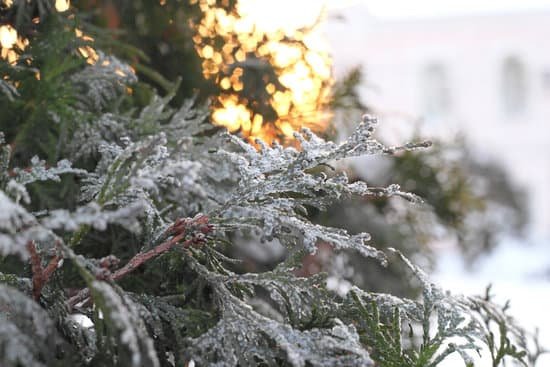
126, 214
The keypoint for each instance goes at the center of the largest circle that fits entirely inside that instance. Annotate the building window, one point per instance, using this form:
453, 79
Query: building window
546, 80
513, 87
436, 99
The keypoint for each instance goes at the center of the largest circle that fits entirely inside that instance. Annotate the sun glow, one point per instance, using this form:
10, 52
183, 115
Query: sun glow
11, 43
272, 82
62, 5
8, 36
88, 52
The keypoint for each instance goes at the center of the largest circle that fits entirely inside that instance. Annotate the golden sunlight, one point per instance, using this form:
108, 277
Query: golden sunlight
10, 43
8, 36
62, 5
272, 82
88, 52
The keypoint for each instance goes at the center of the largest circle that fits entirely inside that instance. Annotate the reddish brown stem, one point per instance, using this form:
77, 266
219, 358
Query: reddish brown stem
179, 229
133, 264
50, 268
36, 268
196, 228
40, 275
143, 257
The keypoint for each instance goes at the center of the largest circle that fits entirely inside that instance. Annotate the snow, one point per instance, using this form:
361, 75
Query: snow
516, 270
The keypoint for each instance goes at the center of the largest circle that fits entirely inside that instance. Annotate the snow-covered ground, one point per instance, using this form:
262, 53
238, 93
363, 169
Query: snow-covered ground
516, 271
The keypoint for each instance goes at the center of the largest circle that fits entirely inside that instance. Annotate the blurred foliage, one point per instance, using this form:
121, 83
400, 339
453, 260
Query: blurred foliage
468, 203
345, 94
473, 198
471, 202
29, 122
157, 40
254, 79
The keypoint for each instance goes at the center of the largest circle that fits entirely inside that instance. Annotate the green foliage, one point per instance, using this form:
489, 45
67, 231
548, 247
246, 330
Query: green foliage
155, 37
462, 324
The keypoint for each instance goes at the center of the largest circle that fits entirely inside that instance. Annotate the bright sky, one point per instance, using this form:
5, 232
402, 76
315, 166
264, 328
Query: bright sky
428, 8
293, 13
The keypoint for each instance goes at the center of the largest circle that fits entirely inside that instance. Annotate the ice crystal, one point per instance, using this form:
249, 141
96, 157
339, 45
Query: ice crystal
462, 325
121, 320
93, 216
18, 192
276, 185
244, 337
14, 219
39, 171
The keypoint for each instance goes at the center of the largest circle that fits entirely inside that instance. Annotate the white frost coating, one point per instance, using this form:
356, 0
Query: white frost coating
12, 215
10, 247
128, 324
275, 186
38, 171
165, 171
13, 218
18, 192
25, 330
160, 166
93, 215
337, 346
459, 327
82, 320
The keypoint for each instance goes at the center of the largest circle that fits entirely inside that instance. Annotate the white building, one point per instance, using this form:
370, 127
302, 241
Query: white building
485, 75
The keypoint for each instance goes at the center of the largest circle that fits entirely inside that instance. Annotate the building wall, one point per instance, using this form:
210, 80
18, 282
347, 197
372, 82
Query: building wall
472, 51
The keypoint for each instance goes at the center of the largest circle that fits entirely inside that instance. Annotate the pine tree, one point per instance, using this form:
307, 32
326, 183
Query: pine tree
127, 214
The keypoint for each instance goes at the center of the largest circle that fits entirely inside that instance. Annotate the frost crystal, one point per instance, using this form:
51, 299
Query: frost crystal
13, 221
94, 216
38, 171
121, 316
243, 336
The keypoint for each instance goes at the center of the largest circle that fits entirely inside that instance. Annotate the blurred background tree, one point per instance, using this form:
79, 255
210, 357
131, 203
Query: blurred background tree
261, 84
470, 203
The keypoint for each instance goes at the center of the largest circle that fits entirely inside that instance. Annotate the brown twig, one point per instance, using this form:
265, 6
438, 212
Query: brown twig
40, 275
77, 298
143, 257
195, 228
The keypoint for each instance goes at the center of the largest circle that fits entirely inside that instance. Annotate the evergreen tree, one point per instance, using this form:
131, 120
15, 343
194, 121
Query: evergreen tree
126, 212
